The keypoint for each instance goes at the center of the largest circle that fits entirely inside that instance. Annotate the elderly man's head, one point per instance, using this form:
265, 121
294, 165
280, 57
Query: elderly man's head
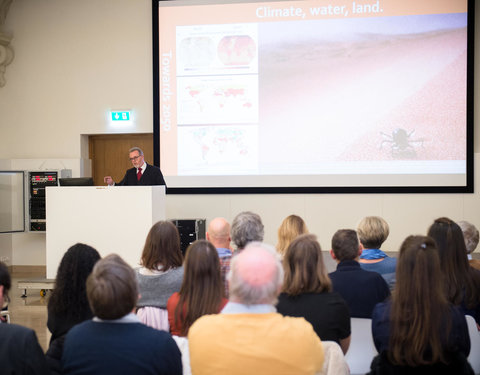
246, 227
256, 275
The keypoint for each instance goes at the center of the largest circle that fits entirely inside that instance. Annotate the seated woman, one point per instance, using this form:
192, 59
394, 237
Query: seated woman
68, 304
372, 232
202, 288
307, 292
418, 330
462, 282
161, 274
292, 227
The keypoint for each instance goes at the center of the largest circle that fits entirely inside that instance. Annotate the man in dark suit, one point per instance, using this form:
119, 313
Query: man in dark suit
141, 174
20, 352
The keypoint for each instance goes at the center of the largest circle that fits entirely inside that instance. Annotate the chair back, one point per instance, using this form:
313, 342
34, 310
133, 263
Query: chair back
182, 343
6, 315
474, 357
362, 349
334, 363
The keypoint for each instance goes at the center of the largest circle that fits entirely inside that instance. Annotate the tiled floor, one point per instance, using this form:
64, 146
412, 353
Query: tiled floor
30, 311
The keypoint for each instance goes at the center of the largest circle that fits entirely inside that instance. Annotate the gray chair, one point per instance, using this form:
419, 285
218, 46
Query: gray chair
362, 349
474, 357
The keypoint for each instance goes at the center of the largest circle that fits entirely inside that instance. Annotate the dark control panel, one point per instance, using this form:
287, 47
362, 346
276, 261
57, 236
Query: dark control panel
190, 230
37, 182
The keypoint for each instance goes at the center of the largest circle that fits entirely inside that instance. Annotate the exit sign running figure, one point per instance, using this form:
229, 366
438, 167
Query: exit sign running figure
120, 115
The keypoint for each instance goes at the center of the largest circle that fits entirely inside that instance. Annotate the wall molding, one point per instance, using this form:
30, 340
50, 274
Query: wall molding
30, 271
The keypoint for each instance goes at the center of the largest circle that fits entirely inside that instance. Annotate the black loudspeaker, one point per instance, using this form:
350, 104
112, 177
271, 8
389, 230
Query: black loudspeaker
190, 230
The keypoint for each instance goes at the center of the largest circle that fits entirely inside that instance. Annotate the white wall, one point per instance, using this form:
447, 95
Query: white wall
76, 60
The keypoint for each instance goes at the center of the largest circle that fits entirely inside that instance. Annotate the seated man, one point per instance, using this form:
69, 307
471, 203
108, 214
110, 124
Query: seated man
249, 336
361, 289
20, 352
218, 234
115, 342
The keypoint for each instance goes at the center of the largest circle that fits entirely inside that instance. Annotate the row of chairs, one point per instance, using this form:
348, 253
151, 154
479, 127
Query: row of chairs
361, 352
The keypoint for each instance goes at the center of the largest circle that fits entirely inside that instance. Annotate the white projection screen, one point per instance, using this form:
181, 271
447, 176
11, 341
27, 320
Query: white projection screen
314, 96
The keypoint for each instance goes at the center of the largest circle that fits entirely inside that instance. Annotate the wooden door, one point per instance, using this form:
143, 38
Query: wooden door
109, 154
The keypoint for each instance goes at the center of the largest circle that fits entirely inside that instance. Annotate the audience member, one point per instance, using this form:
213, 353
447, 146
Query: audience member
372, 233
471, 236
361, 289
161, 274
461, 281
218, 233
292, 226
246, 227
20, 353
68, 304
202, 288
248, 336
418, 330
307, 292
115, 341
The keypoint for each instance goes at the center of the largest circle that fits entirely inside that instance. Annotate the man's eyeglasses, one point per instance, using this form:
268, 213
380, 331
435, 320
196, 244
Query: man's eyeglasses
135, 158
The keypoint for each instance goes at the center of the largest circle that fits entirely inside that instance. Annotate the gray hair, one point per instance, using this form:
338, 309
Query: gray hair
140, 152
246, 227
243, 291
470, 234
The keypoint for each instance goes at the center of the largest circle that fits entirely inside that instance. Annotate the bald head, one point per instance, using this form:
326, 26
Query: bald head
256, 275
218, 233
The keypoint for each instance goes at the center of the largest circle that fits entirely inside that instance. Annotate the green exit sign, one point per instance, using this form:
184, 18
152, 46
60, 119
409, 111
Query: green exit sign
121, 115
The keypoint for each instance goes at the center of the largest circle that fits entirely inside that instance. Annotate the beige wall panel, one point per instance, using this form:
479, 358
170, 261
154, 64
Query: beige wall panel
74, 61
414, 213
327, 213
198, 206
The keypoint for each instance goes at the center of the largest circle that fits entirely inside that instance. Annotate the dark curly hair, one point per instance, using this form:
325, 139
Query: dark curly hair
5, 280
69, 297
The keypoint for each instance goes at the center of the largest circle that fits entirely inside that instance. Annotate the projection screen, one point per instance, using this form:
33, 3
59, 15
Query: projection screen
314, 96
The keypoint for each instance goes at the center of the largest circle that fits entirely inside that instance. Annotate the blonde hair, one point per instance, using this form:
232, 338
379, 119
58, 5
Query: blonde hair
372, 232
292, 226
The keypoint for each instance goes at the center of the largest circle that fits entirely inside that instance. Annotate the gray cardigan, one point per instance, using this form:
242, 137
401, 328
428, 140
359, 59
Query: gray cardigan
155, 290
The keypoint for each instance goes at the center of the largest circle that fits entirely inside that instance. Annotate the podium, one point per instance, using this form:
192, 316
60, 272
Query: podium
110, 219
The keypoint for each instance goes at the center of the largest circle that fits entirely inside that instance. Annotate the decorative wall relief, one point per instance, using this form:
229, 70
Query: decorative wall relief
6, 51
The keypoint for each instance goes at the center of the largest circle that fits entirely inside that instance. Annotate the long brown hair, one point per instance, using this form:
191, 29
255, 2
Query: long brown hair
420, 309
202, 287
162, 247
460, 280
292, 226
305, 271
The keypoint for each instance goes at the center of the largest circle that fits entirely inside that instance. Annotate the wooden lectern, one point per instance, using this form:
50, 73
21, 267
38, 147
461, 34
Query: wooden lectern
110, 219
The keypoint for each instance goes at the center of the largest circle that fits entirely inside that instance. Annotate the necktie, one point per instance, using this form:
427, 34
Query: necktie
139, 174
